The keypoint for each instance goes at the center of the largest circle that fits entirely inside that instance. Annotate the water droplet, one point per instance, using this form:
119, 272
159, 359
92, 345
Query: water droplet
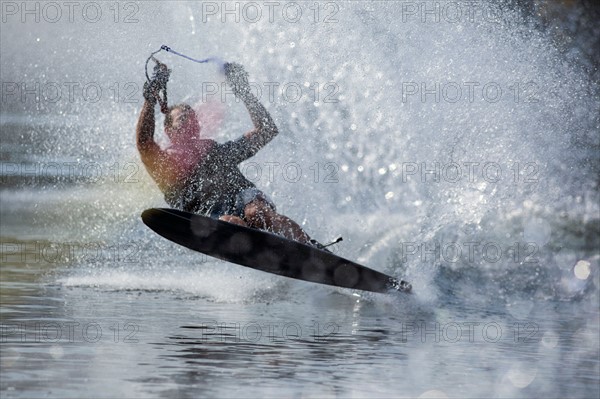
550, 339
521, 375
582, 269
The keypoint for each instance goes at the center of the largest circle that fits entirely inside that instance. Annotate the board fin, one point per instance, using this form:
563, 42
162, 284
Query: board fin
339, 239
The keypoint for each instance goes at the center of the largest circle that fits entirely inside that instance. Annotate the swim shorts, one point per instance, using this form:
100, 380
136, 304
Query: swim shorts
236, 205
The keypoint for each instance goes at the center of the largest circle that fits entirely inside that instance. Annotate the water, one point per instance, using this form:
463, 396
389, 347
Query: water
487, 203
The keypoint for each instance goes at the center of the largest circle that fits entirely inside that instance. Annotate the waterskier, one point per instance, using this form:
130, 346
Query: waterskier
201, 176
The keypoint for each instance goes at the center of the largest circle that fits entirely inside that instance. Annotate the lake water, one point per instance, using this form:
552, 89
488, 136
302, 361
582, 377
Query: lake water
486, 202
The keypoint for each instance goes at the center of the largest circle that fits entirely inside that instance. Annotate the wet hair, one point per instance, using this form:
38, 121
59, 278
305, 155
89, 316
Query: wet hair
183, 107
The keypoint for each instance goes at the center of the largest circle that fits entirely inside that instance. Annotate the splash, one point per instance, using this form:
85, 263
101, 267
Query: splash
407, 132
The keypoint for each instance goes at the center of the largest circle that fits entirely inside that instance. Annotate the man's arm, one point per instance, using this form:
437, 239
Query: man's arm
145, 130
264, 126
152, 155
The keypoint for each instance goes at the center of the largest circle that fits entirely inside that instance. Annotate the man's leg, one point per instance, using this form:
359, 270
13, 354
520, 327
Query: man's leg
260, 215
234, 220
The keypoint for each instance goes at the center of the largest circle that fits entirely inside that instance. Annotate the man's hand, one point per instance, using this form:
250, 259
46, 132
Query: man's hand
151, 92
158, 82
161, 74
237, 78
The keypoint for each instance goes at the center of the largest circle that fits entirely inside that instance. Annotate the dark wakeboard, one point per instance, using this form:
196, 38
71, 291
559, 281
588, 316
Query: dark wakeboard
265, 251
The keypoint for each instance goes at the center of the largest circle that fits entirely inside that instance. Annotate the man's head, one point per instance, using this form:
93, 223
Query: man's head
181, 123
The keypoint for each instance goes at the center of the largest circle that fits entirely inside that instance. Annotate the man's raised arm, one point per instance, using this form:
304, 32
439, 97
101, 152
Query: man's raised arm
264, 126
146, 145
152, 155
145, 130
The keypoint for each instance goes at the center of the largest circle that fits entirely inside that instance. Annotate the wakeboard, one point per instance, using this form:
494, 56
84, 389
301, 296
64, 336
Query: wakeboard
267, 252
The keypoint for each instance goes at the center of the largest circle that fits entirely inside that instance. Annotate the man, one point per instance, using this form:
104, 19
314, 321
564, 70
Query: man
202, 176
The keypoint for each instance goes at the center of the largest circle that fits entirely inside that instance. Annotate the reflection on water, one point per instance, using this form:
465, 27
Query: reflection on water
60, 341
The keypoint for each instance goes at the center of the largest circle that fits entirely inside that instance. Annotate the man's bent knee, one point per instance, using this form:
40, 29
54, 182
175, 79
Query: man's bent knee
258, 213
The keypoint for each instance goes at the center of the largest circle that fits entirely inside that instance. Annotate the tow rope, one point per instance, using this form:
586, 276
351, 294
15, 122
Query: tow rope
168, 49
160, 74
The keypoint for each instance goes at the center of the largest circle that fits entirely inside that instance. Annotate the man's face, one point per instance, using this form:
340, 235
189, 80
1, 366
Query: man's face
184, 124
